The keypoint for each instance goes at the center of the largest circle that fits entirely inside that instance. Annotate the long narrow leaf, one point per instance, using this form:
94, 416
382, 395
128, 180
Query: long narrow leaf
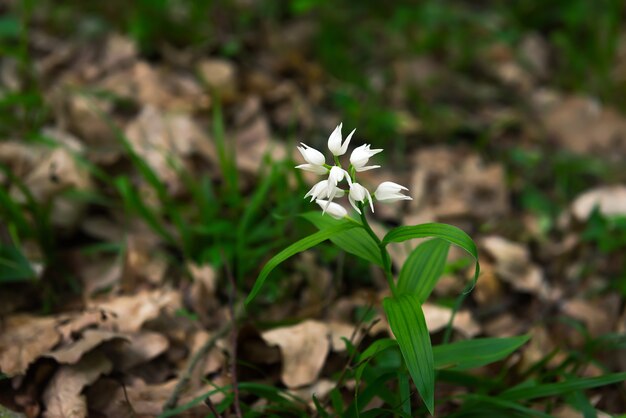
297, 247
449, 233
355, 241
407, 322
423, 268
474, 353
560, 388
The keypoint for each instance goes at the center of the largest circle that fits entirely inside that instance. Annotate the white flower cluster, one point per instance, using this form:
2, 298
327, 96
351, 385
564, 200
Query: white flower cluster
327, 190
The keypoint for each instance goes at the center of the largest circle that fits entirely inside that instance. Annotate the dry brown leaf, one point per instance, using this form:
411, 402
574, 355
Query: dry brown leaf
319, 389
437, 317
63, 397
142, 262
139, 399
610, 201
304, 348
582, 125
539, 346
202, 292
535, 54
129, 313
593, 315
90, 339
450, 182
488, 288
148, 84
138, 348
504, 325
211, 363
513, 265
251, 144
340, 330
219, 75
23, 339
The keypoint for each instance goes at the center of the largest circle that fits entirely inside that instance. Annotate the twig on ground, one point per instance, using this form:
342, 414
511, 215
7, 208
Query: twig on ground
232, 294
208, 402
195, 359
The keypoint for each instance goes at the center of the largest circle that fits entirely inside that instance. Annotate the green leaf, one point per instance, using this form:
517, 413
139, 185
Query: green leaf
523, 391
449, 233
407, 322
14, 266
479, 404
355, 241
295, 248
423, 268
469, 354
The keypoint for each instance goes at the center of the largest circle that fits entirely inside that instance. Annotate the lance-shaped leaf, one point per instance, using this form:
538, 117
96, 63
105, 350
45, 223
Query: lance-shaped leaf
295, 248
469, 354
449, 233
423, 267
355, 241
407, 322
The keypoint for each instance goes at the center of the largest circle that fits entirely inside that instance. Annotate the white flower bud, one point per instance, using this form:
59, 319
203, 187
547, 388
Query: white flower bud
311, 155
321, 190
335, 210
361, 155
359, 193
334, 141
390, 192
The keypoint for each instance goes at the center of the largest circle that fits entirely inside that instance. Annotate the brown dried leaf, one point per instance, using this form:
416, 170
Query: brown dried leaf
202, 292
252, 143
137, 349
582, 125
129, 313
451, 182
340, 330
63, 397
437, 318
90, 339
610, 200
593, 315
23, 339
163, 140
513, 265
220, 76
304, 348
139, 399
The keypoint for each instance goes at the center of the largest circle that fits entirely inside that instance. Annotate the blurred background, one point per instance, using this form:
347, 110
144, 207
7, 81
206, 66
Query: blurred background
150, 144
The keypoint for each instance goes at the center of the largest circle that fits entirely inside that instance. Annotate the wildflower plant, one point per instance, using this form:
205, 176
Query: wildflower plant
416, 278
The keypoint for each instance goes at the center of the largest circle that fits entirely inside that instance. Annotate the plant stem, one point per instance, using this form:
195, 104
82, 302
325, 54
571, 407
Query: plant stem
383, 251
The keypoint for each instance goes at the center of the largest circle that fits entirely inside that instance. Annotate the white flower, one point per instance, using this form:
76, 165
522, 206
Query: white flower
390, 192
320, 190
336, 175
335, 210
361, 155
334, 141
359, 193
315, 160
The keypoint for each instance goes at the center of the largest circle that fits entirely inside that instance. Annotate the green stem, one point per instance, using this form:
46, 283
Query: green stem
383, 251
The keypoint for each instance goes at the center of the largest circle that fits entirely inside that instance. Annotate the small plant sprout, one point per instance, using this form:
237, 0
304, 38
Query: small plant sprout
415, 279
